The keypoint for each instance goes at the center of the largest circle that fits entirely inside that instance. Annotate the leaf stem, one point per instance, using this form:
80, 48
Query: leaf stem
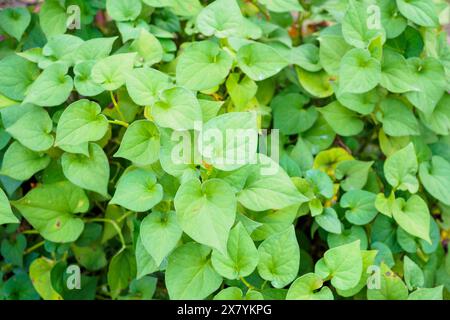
36, 246
115, 226
148, 113
30, 232
119, 122
248, 285
263, 285
116, 105
126, 215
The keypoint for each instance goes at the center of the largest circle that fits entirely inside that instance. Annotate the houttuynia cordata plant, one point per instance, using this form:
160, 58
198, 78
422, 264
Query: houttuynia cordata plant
227, 149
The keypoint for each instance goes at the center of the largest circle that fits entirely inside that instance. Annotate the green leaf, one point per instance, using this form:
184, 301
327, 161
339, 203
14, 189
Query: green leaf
12, 250
184, 8
51, 88
290, 114
363, 103
15, 21
282, 5
268, 190
435, 178
148, 47
141, 143
359, 72
92, 257
396, 73
142, 289
361, 205
348, 236
16, 76
384, 231
21, 163
40, 275
368, 263
306, 56
30, 125
137, 190
6, 214
5, 102
272, 222
439, 119
236, 145
210, 108
144, 261
320, 182
391, 287
111, 72
121, 270
53, 18
88, 172
81, 122
343, 121
221, 18
427, 294
398, 120
329, 221
260, 61
279, 258
241, 257
345, 265
189, 273
315, 83
83, 81
203, 65
393, 22
428, 75
50, 209
160, 233
123, 10
241, 91
234, 293
178, 109
61, 48
413, 216
320, 136
359, 27
400, 169
206, 212
332, 49
414, 277
421, 12
353, 173
305, 288
94, 49
145, 84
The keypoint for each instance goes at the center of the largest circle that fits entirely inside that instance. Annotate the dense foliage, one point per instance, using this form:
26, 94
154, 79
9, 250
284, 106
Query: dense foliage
352, 203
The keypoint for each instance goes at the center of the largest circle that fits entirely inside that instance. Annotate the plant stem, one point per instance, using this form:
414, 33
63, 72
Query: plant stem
263, 285
126, 215
116, 105
248, 285
115, 226
147, 113
36, 246
30, 232
119, 122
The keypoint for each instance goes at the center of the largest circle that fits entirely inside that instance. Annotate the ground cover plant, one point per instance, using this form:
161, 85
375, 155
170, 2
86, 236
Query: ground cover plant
227, 149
